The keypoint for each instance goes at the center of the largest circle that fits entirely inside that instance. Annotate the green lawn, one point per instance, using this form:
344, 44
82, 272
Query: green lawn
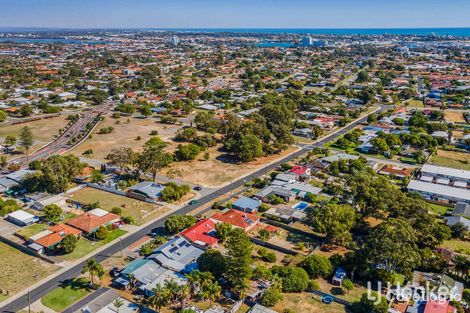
142, 212
64, 296
414, 103
438, 209
32, 230
85, 246
459, 246
452, 159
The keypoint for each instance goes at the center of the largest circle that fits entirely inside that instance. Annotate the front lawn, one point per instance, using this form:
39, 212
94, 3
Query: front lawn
454, 159
85, 246
28, 231
67, 294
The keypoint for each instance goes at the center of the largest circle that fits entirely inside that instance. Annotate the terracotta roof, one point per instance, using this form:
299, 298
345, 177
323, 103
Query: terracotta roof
88, 222
58, 233
200, 232
237, 218
438, 307
390, 169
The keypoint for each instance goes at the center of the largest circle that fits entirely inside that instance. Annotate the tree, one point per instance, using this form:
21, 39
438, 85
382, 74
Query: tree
334, 220
161, 297
187, 152
173, 192
26, 110
118, 303
122, 157
94, 269
294, 279
366, 305
102, 233
223, 230
97, 177
3, 116
177, 223
317, 266
52, 213
69, 243
459, 230
26, 139
154, 157
273, 294
10, 140
212, 261
348, 285
238, 270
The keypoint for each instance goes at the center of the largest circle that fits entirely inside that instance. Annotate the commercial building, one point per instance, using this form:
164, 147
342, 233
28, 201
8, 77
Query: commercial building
439, 192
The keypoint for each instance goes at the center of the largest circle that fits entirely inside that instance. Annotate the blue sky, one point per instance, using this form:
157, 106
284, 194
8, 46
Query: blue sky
235, 13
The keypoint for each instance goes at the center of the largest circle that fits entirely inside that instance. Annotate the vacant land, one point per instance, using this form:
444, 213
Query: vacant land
67, 294
306, 302
125, 134
414, 103
453, 159
85, 246
44, 131
459, 246
20, 270
219, 170
351, 296
454, 117
141, 211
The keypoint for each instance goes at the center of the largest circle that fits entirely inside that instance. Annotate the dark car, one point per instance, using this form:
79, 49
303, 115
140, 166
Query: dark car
197, 188
192, 202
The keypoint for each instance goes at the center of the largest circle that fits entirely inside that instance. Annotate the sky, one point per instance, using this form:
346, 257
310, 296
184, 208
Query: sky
235, 13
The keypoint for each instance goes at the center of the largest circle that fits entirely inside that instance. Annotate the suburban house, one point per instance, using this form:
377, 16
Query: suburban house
203, 233
437, 280
439, 307
452, 220
400, 172
90, 221
461, 209
147, 275
178, 254
285, 194
439, 192
13, 179
246, 204
146, 190
285, 214
51, 238
244, 220
326, 161
43, 200
22, 218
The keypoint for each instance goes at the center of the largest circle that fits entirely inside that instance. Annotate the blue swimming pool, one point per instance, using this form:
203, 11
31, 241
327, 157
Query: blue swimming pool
300, 206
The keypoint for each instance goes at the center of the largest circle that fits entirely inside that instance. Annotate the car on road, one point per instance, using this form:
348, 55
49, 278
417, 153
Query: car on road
192, 202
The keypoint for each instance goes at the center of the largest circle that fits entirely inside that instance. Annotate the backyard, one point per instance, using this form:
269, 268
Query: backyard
454, 117
306, 302
454, 159
67, 294
20, 270
142, 212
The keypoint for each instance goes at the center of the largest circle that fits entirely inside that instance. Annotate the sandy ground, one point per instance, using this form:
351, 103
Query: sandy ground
454, 116
218, 170
124, 135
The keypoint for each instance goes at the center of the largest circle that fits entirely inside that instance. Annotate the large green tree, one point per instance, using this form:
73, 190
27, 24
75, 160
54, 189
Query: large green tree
239, 250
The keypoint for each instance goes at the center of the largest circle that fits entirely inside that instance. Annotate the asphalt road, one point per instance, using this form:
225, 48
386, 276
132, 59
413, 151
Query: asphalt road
53, 283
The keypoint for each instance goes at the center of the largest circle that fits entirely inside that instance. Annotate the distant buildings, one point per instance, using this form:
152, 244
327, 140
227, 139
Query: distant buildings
174, 41
308, 41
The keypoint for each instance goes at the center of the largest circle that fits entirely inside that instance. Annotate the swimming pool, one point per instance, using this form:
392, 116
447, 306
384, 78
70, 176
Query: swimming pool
300, 206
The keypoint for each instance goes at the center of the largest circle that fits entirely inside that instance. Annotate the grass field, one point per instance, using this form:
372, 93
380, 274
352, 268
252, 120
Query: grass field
20, 270
459, 246
124, 135
32, 230
64, 296
305, 302
351, 296
43, 130
414, 103
438, 209
454, 159
85, 246
141, 211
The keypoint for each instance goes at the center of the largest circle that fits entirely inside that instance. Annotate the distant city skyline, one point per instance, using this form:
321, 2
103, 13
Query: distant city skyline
235, 14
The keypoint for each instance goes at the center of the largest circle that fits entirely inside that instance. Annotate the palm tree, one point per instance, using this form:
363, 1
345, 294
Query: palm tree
160, 298
132, 282
213, 290
118, 303
93, 268
183, 294
172, 287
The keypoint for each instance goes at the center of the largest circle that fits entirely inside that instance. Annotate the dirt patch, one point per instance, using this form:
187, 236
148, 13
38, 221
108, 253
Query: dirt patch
219, 170
454, 117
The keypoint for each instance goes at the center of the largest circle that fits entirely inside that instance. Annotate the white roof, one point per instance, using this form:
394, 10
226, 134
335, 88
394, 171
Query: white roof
426, 178
21, 215
98, 212
447, 171
448, 191
460, 184
443, 181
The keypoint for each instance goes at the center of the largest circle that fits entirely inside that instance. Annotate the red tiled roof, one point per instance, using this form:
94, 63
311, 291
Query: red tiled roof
58, 233
237, 218
200, 232
298, 170
88, 222
438, 307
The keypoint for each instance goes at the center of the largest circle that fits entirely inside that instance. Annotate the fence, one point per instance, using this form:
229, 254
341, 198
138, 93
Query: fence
26, 250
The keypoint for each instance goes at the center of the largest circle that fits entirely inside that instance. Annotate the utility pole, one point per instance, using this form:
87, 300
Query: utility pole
120, 243
29, 301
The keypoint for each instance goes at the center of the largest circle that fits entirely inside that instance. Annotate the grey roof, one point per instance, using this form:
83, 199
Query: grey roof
445, 171
457, 194
148, 188
280, 191
258, 308
146, 272
452, 220
176, 254
286, 177
462, 208
339, 156
247, 203
165, 275
18, 175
